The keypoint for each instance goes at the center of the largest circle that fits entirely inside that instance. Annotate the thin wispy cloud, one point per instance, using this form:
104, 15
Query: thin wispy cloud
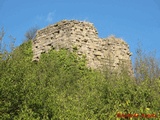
50, 17
47, 19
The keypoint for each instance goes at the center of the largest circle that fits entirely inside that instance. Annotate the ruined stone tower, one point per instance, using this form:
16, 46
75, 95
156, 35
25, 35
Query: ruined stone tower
83, 36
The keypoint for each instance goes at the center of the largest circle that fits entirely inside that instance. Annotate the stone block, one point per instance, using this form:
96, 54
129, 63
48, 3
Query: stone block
97, 53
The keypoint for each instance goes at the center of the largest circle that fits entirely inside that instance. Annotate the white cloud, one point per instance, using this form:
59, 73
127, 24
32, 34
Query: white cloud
50, 17
46, 19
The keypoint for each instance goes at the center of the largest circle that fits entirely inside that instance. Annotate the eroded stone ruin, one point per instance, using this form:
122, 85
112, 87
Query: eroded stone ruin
71, 34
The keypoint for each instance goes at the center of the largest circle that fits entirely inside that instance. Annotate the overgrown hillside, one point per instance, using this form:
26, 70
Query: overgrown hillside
61, 87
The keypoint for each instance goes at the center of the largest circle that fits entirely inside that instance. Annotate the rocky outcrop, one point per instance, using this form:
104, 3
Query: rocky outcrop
83, 36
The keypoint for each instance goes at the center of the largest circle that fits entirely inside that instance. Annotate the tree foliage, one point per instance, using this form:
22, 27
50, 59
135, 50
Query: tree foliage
60, 86
146, 66
30, 34
2, 33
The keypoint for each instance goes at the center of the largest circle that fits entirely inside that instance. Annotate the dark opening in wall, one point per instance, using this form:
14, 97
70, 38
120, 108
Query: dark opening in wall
56, 25
49, 44
43, 52
57, 32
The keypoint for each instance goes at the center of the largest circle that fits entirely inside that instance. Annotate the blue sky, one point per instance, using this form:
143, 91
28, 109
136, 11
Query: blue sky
135, 21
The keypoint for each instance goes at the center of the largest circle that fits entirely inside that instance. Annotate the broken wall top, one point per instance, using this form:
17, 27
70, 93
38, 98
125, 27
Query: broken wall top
68, 34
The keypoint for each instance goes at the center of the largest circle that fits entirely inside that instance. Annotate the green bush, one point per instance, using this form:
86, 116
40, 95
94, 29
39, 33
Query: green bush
60, 86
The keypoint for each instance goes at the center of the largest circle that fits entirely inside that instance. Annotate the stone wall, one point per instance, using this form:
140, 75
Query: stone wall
71, 34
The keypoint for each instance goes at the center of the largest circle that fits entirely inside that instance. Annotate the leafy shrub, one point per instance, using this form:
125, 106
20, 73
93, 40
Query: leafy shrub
60, 86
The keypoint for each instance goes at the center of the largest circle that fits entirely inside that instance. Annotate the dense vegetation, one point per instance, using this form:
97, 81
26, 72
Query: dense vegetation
60, 87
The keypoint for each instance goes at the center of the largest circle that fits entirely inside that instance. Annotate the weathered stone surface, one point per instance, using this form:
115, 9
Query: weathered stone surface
83, 35
97, 53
